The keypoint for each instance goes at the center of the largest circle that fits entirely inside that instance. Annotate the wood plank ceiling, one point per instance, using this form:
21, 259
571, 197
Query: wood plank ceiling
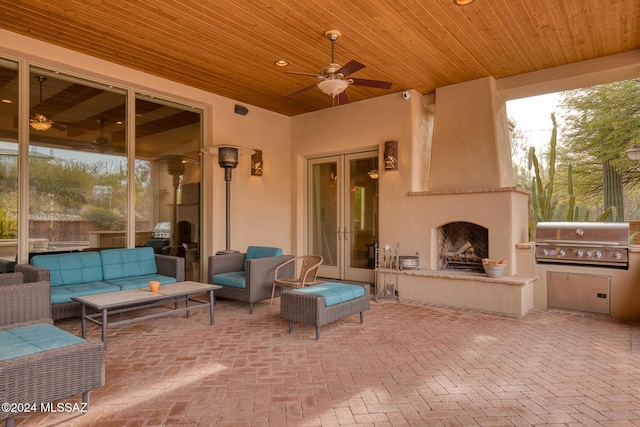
228, 47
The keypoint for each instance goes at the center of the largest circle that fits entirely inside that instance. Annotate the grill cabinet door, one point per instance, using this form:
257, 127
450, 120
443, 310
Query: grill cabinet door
580, 292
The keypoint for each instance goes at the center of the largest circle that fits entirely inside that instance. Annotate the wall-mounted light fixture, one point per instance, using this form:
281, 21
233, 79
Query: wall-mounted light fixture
391, 155
634, 152
373, 174
256, 163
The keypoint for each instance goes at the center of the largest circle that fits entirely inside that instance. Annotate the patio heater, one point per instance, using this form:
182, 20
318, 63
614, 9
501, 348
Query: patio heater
228, 159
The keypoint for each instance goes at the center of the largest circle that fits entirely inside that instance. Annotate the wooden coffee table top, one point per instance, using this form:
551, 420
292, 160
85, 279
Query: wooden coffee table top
143, 295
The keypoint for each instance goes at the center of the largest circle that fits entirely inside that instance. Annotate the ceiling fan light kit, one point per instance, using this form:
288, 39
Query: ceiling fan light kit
39, 121
333, 87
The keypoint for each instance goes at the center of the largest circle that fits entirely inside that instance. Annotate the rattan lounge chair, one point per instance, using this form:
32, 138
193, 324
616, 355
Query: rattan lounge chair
309, 265
45, 376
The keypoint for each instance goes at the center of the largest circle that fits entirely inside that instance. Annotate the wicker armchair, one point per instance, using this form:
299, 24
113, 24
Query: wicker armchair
257, 274
49, 375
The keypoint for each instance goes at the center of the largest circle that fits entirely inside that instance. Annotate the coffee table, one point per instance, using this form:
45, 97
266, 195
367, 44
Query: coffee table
137, 299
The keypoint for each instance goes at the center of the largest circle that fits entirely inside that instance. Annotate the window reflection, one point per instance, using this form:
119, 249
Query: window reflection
168, 178
78, 169
77, 164
8, 164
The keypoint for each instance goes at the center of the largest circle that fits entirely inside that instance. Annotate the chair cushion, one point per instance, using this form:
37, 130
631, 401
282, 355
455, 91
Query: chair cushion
33, 339
131, 262
333, 293
235, 279
141, 281
71, 268
62, 294
261, 252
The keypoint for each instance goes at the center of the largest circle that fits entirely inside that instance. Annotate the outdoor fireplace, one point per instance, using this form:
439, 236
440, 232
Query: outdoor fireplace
461, 246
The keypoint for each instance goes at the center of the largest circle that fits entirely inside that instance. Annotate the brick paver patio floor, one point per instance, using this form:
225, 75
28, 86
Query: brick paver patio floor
409, 364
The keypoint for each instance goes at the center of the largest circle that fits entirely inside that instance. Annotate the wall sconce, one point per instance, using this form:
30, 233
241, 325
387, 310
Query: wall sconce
256, 163
633, 153
391, 155
373, 174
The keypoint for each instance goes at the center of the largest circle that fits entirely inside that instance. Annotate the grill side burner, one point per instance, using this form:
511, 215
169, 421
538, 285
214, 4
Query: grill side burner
603, 244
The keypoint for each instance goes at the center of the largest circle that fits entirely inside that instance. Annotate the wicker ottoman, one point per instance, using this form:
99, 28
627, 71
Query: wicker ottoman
300, 305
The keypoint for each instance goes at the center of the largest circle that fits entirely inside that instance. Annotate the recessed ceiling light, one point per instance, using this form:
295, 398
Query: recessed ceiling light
281, 63
462, 2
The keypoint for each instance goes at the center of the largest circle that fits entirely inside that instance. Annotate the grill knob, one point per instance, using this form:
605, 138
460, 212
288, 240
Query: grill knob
597, 254
616, 255
561, 252
579, 253
587, 254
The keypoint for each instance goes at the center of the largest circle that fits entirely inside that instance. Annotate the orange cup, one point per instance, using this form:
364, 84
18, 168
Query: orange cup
154, 285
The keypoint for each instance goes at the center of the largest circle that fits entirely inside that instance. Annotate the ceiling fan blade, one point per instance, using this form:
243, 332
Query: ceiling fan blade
371, 83
294, 93
350, 68
301, 73
343, 98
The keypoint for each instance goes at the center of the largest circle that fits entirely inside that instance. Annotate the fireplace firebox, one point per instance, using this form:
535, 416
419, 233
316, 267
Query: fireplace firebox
461, 246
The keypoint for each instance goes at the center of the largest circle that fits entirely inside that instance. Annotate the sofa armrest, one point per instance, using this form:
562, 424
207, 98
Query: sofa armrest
225, 264
25, 302
31, 273
169, 265
261, 272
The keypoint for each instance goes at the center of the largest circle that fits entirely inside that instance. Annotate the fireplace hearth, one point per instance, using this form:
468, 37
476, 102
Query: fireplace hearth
461, 246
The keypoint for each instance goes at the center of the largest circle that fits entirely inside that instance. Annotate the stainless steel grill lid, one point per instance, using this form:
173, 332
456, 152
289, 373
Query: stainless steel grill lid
584, 233
583, 243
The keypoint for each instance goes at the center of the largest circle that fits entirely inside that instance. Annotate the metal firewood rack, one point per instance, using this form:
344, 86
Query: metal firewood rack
387, 272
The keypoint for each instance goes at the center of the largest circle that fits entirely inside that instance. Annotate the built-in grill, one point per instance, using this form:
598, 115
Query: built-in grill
604, 244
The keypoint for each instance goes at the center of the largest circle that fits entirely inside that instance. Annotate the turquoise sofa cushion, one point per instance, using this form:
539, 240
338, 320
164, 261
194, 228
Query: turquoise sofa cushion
71, 268
62, 294
260, 252
333, 293
140, 281
125, 263
31, 339
235, 279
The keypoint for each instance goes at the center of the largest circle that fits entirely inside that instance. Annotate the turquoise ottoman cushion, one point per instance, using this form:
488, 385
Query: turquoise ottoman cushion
333, 293
32, 339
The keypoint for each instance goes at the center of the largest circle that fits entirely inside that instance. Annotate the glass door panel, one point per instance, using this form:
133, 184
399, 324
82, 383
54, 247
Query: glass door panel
324, 229
361, 215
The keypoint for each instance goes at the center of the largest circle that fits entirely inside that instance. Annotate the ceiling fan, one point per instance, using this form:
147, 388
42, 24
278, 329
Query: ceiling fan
102, 144
333, 76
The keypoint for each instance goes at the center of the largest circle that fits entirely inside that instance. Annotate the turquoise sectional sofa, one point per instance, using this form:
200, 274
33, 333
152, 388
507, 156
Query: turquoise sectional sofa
109, 270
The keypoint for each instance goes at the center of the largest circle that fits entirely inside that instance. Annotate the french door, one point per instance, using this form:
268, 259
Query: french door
342, 212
